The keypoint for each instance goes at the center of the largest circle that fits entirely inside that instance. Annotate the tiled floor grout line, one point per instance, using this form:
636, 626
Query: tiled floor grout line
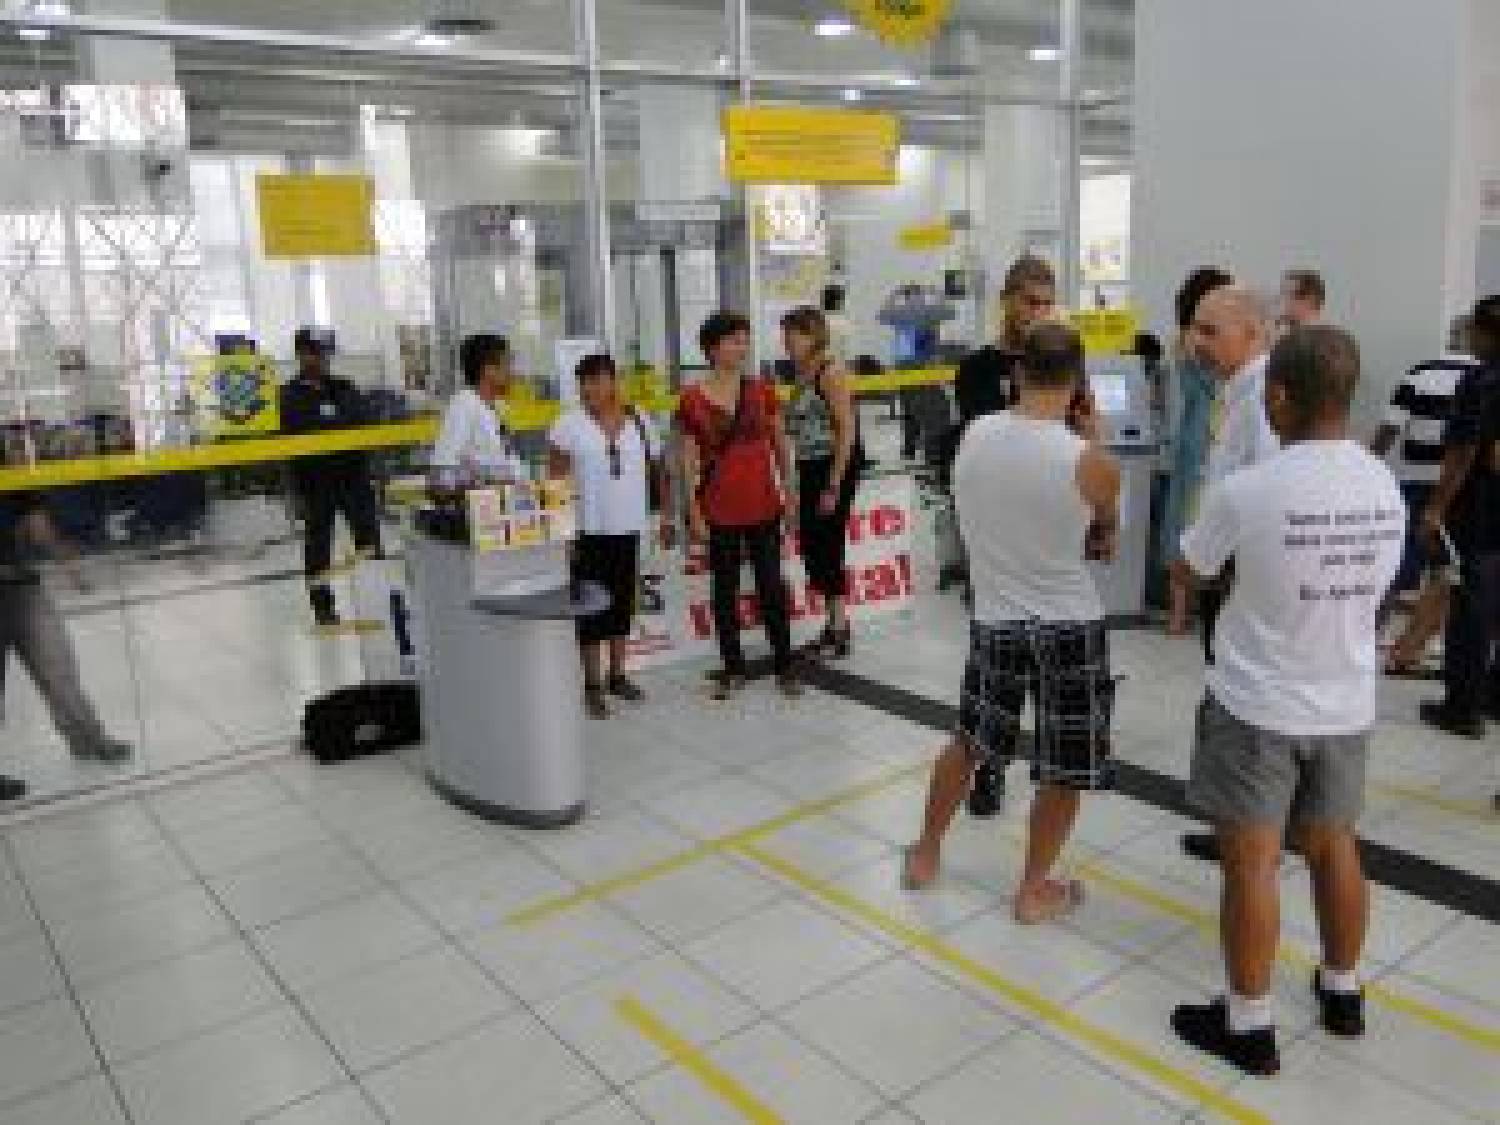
70, 991
244, 934
457, 945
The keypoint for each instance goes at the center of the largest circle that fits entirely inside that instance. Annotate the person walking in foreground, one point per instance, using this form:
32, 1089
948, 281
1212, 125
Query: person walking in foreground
824, 433
1283, 731
737, 464
613, 454
1029, 490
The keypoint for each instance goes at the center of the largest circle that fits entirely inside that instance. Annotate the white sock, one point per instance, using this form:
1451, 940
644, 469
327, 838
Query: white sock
1335, 981
1251, 1013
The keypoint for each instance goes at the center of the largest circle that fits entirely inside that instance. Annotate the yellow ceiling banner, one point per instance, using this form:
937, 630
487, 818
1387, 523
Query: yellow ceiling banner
927, 236
305, 216
1107, 331
905, 23
801, 145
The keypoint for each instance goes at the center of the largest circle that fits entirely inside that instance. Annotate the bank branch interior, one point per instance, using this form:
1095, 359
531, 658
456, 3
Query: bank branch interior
694, 911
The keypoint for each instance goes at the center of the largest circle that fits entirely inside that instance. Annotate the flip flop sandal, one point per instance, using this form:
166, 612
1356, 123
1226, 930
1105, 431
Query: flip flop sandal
909, 882
1070, 897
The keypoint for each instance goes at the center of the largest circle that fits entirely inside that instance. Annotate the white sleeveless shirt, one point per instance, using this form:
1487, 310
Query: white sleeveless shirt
1024, 521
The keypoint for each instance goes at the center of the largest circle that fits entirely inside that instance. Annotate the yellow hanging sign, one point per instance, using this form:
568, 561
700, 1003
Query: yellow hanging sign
236, 395
316, 216
1107, 331
927, 236
904, 23
800, 145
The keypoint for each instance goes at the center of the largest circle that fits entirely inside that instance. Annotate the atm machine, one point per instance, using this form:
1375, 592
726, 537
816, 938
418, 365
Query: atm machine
1123, 399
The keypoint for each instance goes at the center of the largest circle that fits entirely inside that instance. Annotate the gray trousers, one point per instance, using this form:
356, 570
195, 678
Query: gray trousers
31, 627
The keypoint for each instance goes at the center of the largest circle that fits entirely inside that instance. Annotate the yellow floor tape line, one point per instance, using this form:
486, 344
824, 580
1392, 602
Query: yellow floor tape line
696, 1063
1473, 810
548, 908
347, 628
1483, 1037
1048, 1011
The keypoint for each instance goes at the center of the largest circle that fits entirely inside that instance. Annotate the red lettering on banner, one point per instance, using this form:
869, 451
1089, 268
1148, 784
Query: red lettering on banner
882, 582
903, 562
702, 617
887, 522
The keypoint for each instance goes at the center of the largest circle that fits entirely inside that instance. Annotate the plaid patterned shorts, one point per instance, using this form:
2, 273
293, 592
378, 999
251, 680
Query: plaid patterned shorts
1064, 667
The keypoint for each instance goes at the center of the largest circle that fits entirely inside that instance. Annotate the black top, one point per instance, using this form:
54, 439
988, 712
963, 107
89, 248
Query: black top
310, 406
1475, 521
16, 567
986, 382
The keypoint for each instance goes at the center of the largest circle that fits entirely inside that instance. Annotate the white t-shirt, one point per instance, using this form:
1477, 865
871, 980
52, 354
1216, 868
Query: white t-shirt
1024, 521
607, 504
474, 437
1245, 436
1316, 534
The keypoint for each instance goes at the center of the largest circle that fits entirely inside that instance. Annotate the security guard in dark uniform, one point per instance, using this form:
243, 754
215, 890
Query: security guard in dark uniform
327, 483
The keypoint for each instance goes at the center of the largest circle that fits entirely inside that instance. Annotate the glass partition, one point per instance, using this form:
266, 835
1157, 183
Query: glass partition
165, 227
151, 301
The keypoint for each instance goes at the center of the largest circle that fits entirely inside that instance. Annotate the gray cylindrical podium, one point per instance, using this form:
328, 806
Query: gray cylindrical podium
502, 691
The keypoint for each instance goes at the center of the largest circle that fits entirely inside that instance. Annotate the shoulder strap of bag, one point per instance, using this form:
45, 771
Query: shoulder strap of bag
714, 457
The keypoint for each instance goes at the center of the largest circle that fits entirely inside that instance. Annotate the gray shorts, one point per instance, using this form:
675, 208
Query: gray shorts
1244, 775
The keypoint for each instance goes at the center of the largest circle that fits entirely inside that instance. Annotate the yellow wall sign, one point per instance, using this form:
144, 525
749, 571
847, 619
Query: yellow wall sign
799, 145
1107, 331
906, 23
927, 236
236, 395
316, 216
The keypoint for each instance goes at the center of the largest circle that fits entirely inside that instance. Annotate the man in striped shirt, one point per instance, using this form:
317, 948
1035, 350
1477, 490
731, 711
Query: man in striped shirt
1420, 409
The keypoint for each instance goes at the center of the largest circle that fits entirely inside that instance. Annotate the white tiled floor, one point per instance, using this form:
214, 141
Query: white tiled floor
303, 946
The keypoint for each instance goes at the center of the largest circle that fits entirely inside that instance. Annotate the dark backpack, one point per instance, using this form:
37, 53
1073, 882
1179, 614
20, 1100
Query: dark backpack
365, 719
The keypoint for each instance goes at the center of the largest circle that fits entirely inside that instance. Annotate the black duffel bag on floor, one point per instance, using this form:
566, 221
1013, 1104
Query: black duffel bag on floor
364, 719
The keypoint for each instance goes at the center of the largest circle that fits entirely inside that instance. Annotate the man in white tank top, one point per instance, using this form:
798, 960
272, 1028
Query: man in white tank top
1034, 498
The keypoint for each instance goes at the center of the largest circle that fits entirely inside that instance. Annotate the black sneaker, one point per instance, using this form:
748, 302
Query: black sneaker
790, 685
622, 687
104, 749
1202, 845
842, 647
12, 789
725, 685
595, 706
1438, 714
987, 794
1206, 1027
1343, 1012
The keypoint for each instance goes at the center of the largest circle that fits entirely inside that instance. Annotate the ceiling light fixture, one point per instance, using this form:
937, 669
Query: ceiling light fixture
906, 81
51, 9
833, 27
33, 34
721, 60
1045, 54
431, 41
853, 95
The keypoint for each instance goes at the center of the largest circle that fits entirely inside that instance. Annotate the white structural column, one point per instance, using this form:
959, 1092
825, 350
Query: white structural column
680, 143
680, 162
1023, 153
1306, 133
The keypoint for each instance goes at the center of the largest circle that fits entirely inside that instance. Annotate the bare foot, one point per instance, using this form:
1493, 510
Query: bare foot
1047, 902
919, 870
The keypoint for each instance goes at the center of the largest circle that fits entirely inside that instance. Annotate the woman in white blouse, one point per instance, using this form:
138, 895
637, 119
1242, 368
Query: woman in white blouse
613, 454
474, 442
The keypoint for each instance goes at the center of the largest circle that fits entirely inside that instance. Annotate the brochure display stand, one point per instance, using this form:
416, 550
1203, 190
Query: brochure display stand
502, 692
